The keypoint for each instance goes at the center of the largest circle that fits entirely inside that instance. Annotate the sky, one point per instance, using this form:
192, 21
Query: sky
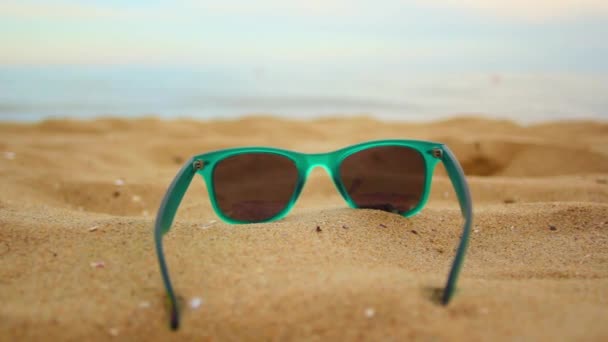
456, 35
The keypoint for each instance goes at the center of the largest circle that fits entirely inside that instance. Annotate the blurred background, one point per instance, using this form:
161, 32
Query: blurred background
523, 60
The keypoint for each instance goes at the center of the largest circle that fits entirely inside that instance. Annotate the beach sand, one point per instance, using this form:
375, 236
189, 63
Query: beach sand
79, 195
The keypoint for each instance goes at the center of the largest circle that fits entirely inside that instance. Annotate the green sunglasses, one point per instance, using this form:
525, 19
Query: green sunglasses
261, 184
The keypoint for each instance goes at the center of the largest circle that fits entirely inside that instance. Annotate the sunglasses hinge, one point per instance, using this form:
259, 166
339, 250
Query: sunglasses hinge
198, 165
437, 153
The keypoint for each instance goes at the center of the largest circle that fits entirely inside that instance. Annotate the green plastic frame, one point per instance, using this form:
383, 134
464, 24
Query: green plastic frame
204, 164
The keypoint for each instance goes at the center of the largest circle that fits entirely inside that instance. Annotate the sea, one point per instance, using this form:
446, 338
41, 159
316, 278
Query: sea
33, 93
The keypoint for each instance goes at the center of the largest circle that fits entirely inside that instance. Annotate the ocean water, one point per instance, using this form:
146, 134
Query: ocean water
36, 93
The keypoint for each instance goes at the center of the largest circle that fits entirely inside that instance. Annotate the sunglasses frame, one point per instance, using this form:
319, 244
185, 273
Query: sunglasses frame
304, 164
204, 164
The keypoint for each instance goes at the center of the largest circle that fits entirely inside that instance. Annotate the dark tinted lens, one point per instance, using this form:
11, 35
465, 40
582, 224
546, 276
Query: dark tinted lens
255, 186
389, 178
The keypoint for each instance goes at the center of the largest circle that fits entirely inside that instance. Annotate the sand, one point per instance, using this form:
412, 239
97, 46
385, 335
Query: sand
79, 195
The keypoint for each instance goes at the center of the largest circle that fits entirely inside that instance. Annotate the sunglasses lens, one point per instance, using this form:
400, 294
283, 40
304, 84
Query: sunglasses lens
254, 187
388, 178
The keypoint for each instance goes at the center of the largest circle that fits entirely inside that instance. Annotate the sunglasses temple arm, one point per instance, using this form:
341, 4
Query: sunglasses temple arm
459, 183
164, 219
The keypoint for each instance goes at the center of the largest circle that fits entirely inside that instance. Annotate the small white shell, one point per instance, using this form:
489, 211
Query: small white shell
196, 302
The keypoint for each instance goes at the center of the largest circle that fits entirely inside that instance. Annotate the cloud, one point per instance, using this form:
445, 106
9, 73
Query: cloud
333, 9
24, 10
521, 9
173, 11
262, 7
529, 9
205, 31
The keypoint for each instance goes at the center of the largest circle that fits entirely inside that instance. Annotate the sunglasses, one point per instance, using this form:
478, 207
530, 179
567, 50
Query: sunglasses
261, 184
